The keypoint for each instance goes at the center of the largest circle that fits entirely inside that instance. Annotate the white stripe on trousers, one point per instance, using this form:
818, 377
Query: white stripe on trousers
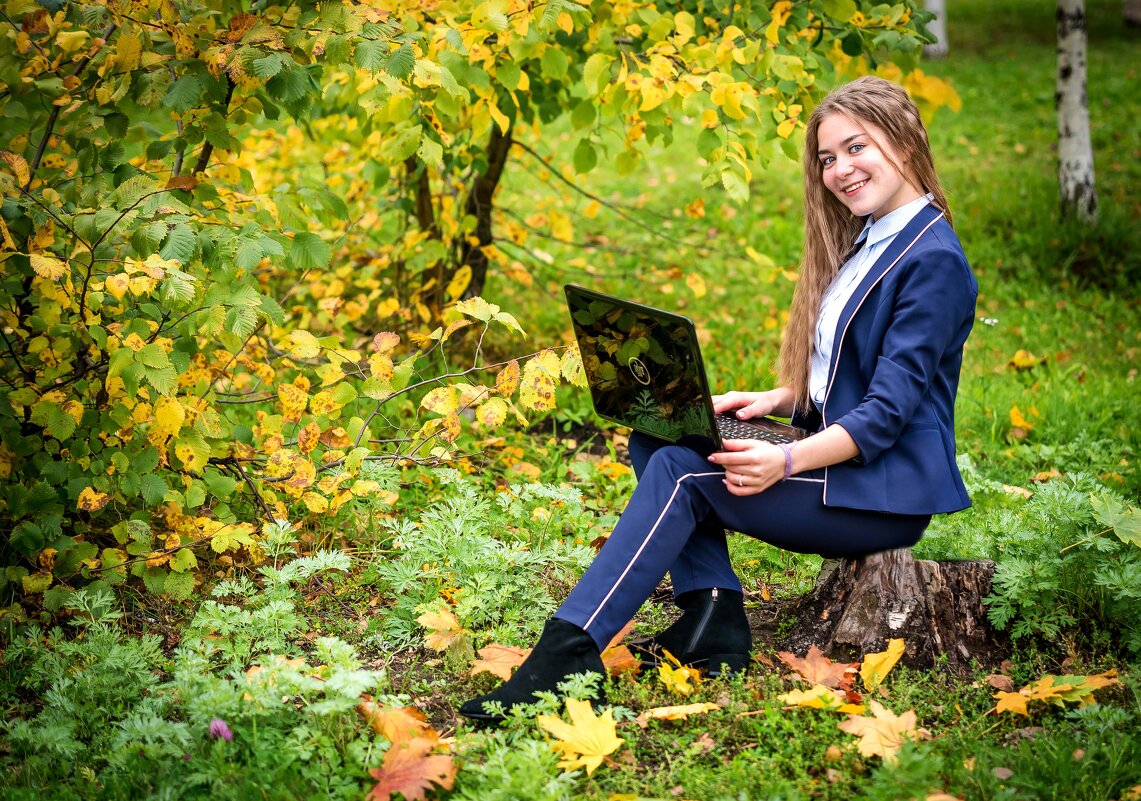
646, 541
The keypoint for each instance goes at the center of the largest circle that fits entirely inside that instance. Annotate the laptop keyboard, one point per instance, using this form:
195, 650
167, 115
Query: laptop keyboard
732, 428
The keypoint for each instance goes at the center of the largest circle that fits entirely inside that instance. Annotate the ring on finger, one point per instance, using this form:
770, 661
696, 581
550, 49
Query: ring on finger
740, 481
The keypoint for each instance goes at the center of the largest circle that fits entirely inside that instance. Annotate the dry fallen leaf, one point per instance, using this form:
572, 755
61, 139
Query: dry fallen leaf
882, 734
444, 629
1058, 690
821, 697
411, 769
499, 660
677, 677
586, 740
816, 668
397, 724
876, 666
675, 712
619, 659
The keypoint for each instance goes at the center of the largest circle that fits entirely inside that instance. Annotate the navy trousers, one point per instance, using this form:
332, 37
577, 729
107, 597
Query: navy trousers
676, 520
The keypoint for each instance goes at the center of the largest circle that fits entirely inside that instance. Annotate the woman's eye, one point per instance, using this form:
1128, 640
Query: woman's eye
826, 161
855, 148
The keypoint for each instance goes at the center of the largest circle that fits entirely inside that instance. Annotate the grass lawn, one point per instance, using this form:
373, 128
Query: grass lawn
1047, 418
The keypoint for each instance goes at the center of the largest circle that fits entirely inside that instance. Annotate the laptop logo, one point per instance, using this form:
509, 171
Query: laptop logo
639, 371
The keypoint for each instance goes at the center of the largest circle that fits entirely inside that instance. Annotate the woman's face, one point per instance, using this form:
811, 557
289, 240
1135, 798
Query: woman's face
858, 171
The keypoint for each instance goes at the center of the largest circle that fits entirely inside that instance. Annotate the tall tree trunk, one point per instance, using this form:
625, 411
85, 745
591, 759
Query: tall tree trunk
938, 28
1075, 153
480, 205
1131, 11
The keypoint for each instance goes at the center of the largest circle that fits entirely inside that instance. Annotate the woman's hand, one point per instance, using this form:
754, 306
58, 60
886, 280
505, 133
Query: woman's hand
755, 404
751, 465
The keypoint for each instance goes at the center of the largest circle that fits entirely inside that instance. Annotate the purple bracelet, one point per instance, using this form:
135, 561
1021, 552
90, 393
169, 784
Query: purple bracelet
787, 448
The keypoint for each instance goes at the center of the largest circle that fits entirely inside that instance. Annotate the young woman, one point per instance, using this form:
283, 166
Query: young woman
870, 363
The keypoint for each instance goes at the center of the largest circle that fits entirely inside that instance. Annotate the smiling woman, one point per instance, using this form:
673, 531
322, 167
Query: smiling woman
870, 364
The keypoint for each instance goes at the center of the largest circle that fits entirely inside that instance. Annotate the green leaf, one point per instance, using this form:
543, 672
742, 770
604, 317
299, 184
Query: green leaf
585, 157
183, 93
153, 488
1124, 520
401, 62
180, 244
735, 186
371, 55
268, 66
840, 9
596, 73
182, 561
309, 251
153, 579
584, 114
179, 586
153, 355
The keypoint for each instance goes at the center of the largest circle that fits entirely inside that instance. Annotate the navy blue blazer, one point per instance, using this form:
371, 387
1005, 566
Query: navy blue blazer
894, 374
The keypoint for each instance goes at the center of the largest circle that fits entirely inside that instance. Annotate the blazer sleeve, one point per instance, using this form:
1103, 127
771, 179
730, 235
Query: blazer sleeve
934, 305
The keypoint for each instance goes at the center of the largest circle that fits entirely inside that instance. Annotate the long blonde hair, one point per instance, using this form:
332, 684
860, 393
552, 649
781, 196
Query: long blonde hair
829, 228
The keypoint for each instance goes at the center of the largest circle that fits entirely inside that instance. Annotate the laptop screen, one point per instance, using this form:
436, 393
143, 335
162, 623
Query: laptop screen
643, 366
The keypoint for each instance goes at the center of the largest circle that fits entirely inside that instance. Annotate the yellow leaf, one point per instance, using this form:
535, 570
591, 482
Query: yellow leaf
675, 712
710, 118
441, 400
308, 437
500, 118
317, 504
293, 401
695, 209
460, 282
116, 286
1024, 360
191, 453
876, 666
821, 697
591, 210
508, 379
169, 416
303, 345
47, 266
677, 677
785, 128
492, 413
444, 629
1012, 702
882, 734
696, 284
1018, 420
90, 500
380, 366
586, 740
780, 12
323, 403
19, 166
70, 41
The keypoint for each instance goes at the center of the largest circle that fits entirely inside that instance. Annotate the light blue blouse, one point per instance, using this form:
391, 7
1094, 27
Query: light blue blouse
877, 235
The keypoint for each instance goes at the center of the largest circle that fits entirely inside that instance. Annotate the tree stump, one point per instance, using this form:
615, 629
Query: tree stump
936, 607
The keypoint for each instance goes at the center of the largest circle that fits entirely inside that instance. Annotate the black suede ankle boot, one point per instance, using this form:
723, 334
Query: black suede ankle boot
563, 650
712, 631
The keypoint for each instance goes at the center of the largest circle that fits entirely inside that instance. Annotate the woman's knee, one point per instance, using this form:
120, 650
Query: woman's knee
675, 461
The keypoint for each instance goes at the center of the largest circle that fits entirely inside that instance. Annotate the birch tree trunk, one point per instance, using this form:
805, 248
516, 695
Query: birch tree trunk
1075, 152
938, 27
1131, 11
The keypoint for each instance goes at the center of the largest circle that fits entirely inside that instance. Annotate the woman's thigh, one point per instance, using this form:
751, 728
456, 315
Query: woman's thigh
791, 514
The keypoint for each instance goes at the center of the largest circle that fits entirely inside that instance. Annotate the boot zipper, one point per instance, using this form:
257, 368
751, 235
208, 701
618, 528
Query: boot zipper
701, 624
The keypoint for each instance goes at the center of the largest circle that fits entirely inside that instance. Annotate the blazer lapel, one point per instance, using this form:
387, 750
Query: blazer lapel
887, 260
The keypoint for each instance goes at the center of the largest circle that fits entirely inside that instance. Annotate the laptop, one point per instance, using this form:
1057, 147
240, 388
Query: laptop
645, 372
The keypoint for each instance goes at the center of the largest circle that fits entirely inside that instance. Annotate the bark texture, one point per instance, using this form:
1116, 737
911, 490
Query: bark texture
1075, 151
938, 27
936, 607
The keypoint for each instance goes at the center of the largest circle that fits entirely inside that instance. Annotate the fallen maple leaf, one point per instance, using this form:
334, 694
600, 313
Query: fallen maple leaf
1058, 690
876, 666
397, 724
816, 668
821, 697
411, 769
444, 629
499, 660
619, 659
675, 712
676, 676
586, 740
882, 734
